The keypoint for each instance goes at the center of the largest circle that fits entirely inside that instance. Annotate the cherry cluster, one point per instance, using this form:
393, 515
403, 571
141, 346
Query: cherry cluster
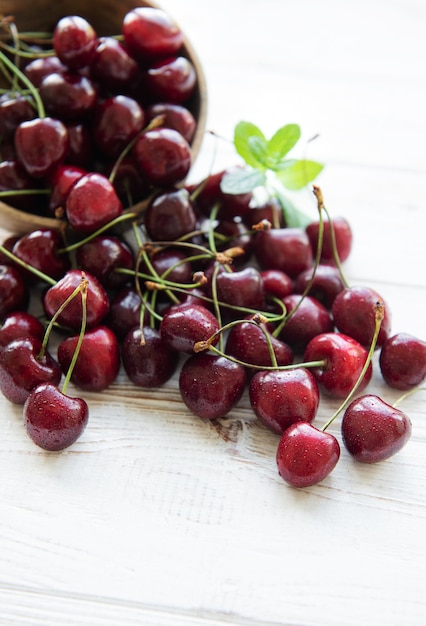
214, 286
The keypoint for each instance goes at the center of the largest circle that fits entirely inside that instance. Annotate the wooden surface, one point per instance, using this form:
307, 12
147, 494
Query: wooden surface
156, 518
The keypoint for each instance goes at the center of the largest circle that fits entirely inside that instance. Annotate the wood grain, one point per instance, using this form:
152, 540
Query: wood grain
157, 518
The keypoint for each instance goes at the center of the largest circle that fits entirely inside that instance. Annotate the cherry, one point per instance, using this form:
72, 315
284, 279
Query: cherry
41, 145
170, 216
102, 255
112, 66
40, 67
67, 95
163, 156
97, 300
241, 288
39, 249
344, 360
117, 120
53, 420
246, 342
309, 319
14, 178
211, 385
147, 359
326, 285
74, 41
98, 361
208, 194
124, 312
92, 203
343, 239
276, 283
7, 244
81, 149
172, 264
403, 361
173, 116
13, 291
306, 455
172, 80
183, 325
150, 32
61, 182
269, 211
236, 235
14, 109
282, 398
285, 249
373, 430
20, 324
22, 368
353, 313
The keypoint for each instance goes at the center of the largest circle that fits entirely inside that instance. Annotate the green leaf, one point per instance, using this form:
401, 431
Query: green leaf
283, 141
244, 133
293, 217
242, 181
259, 149
299, 173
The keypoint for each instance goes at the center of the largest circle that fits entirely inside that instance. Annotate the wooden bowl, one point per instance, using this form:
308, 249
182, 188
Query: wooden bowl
106, 16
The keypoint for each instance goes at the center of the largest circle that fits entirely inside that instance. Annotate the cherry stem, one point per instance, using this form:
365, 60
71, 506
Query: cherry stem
379, 314
34, 92
24, 192
83, 288
407, 395
121, 218
29, 268
334, 247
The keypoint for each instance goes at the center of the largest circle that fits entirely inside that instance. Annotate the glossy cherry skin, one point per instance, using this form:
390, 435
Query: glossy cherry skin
170, 216
276, 283
124, 311
172, 264
171, 80
344, 359
41, 145
185, 324
92, 202
40, 67
98, 361
39, 249
306, 455
102, 256
343, 236
13, 291
150, 363
74, 41
14, 109
373, 430
242, 288
248, 343
117, 121
354, 314
21, 368
326, 285
403, 361
285, 249
173, 116
211, 385
64, 177
68, 96
71, 316
150, 33
112, 66
53, 420
163, 156
310, 319
280, 398
20, 324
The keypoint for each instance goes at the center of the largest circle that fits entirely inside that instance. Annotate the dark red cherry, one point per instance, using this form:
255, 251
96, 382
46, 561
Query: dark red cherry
211, 385
8, 244
242, 288
92, 202
53, 420
40, 67
20, 324
343, 238
282, 398
171, 80
170, 216
102, 256
98, 360
71, 316
403, 361
150, 32
40, 249
68, 96
14, 178
309, 319
344, 360
117, 121
129, 184
41, 145
326, 285
14, 294
247, 342
172, 265
61, 182
74, 41
112, 66
285, 249
373, 430
22, 369
173, 116
276, 283
354, 314
183, 325
124, 312
306, 455
149, 362
14, 109
163, 156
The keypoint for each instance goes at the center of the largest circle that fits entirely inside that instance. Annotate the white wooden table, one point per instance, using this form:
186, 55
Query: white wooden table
156, 518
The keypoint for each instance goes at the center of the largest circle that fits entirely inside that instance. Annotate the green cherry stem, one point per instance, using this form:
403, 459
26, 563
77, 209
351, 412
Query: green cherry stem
83, 288
407, 395
379, 314
44, 277
334, 247
121, 218
34, 92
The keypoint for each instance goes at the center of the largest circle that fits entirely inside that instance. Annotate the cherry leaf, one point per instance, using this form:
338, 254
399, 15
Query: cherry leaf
244, 133
298, 173
283, 141
242, 181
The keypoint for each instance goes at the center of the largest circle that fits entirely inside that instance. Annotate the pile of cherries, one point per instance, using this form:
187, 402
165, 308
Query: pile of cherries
211, 285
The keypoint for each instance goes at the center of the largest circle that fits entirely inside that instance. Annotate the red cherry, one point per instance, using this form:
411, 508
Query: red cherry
171, 80
14, 109
285, 249
112, 66
326, 285
241, 288
39, 249
148, 363
173, 116
41, 145
403, 361
14, 178
343, 238
67, 95
373, 430
74, 41
53, 420
310, 319
117, 121
247, 342
61, 182
276, 283
20, 324
102, 256
40, 67
306, 455
163, 156
13, 291
185, 324
150, 32
92, 202
282, 398
170, 216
